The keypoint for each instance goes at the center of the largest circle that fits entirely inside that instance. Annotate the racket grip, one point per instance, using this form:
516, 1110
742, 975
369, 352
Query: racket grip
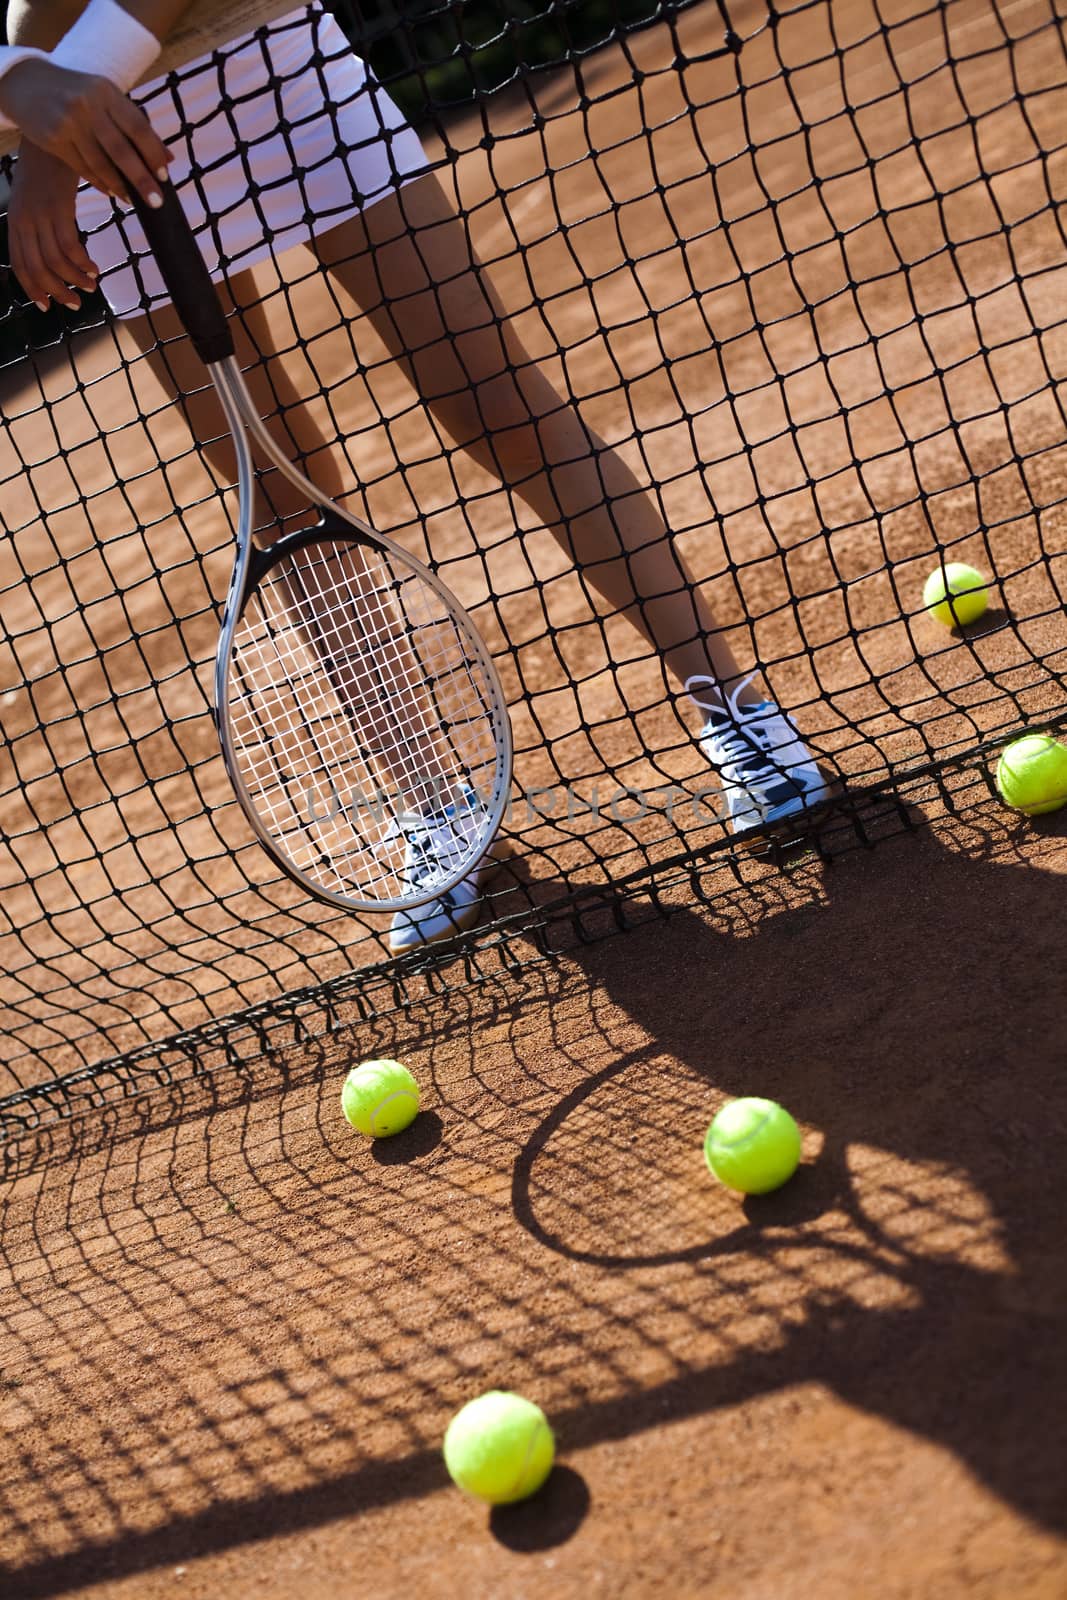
185, 273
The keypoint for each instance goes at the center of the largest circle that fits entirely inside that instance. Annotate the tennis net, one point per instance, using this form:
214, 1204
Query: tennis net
801, 268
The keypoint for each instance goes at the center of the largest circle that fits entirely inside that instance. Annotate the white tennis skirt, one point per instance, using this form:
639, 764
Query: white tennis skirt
277, 135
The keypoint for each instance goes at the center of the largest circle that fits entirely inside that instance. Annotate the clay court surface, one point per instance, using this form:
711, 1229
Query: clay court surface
231, 1346
830, 374
232, 1332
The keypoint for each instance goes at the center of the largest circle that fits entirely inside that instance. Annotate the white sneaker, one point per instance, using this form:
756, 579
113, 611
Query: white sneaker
767, 771
434, 846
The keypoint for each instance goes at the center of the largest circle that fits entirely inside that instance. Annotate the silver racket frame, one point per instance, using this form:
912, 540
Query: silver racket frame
245, 425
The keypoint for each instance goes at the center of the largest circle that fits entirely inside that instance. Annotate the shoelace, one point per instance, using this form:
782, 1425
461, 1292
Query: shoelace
740, 754
423, 862
730, 703
741, 746
423, 870
425, 847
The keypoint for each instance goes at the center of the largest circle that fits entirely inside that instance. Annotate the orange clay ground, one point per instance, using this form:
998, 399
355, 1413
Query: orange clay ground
832, 378
231, 1331
230, 1346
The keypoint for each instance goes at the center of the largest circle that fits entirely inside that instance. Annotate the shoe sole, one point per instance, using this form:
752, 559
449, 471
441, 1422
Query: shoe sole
496, 856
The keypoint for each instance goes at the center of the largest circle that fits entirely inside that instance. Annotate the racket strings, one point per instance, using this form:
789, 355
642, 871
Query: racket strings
375, 668
361, 720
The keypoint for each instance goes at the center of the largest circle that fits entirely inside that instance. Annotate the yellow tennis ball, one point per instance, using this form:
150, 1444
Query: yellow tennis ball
1032, 774
753, 1145
380, 1098
955, 594
499, 1447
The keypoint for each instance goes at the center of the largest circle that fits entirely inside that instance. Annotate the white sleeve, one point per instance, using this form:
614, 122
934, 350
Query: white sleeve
109, 43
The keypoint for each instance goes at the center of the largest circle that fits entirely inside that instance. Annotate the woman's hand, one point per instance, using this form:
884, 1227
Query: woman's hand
87, 123
47, 253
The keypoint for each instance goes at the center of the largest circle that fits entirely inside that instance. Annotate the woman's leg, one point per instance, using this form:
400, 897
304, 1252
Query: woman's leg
179, 370
408, 263
396, 730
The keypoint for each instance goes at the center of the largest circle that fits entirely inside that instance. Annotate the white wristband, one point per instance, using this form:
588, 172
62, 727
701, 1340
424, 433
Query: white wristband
10, 56
109, 43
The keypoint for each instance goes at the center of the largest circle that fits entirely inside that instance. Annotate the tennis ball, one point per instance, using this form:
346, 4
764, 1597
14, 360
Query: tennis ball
499, 1447
1032, 774
753, 1145
955, 594
380, 1098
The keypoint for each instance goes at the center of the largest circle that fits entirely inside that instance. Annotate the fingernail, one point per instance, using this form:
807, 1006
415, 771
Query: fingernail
42, 305
154, 200
162, 174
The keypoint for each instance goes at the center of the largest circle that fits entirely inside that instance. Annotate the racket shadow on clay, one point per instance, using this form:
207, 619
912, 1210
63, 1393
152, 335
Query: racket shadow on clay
905, 1006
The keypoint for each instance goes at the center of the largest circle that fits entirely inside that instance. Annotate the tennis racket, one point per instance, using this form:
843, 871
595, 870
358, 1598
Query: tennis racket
361, 719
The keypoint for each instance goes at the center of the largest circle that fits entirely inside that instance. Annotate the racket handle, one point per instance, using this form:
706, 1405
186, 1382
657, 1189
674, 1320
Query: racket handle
185, 273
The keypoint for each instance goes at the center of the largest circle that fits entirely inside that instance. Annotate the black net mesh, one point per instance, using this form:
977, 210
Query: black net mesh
798, 274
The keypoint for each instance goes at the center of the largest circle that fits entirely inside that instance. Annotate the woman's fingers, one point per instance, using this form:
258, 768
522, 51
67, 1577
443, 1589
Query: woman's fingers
121, 164
145, 141
47, 252
69, 257
93, 162
64, 256
30, 251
